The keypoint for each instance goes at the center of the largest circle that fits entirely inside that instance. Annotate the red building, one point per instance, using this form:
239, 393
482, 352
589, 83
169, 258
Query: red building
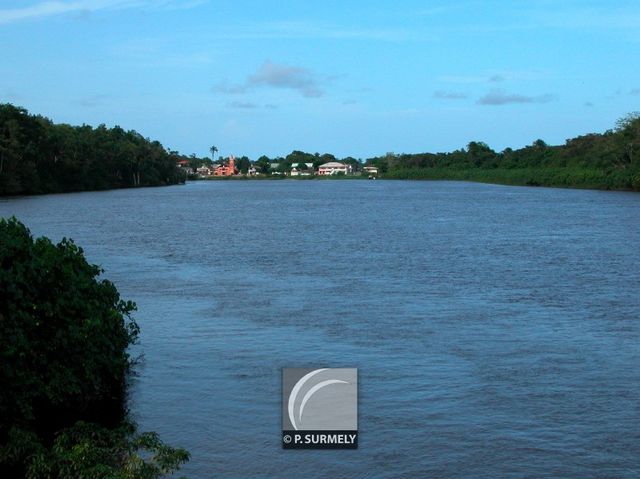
226, 170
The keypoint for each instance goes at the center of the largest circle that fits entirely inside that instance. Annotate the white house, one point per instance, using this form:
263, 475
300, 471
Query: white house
204, 171
297, 171
333, 168
273, 167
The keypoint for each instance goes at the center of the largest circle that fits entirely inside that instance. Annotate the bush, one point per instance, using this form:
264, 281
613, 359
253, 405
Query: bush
64, 359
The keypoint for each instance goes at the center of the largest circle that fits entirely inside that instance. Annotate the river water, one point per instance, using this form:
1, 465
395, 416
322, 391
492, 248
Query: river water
496, 329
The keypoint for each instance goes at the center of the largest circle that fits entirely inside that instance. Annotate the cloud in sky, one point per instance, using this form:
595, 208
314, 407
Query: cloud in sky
93, 101
224, 87
462, 79
603, 17
274, 75
312, 29
495, 76
242, 105
59, 7
500, 97
284, 76
450, 95
634, 91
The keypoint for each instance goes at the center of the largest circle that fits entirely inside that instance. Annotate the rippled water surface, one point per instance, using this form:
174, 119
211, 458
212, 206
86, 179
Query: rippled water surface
496, 329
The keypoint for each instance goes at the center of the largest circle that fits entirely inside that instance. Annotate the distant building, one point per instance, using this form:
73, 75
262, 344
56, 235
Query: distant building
226, 170
296, 170
370, 170
273, 168
333, 168
204, 171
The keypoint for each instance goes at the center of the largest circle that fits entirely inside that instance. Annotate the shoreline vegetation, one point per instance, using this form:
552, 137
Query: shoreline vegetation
65, 334
549, 177
38, 156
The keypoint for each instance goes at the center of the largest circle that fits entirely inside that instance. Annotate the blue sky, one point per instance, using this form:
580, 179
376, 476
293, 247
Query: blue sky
346, 77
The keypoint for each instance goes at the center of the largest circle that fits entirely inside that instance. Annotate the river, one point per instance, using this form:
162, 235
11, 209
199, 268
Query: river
496, 329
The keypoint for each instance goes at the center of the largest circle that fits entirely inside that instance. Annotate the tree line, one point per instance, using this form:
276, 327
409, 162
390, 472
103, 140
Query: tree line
39, 156
607, 160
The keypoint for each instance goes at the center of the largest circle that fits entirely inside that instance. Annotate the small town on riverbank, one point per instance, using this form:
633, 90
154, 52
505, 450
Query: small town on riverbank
228, 167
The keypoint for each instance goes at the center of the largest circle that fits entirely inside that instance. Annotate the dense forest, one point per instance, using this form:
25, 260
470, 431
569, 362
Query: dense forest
38, 156
610, 161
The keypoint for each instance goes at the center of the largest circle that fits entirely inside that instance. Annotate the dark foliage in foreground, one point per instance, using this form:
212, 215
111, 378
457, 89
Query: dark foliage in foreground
64, 365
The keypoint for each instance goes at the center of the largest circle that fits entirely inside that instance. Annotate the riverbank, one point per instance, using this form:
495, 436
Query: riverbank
281, 177
569, 177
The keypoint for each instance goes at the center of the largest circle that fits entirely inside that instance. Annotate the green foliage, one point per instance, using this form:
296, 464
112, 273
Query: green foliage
195, 163
38, 156
243, 164
263, 165
610, 161
64, 336
355, 164
88, 450
573, 177
64, 333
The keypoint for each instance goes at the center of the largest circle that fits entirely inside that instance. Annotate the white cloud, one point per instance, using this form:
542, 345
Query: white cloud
60, 7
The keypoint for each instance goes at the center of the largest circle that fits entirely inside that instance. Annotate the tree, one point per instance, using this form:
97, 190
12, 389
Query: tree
628, 130
64, 336
243, 164
327, 157
355, 164
38, 156
263, 164
213, 150
540, 144
480, 154
88, 450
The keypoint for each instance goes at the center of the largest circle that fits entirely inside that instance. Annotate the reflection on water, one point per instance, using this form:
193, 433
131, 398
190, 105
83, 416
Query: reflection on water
495, 329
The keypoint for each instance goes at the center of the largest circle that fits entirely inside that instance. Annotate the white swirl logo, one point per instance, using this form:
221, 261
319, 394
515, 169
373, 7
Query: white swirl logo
337, 388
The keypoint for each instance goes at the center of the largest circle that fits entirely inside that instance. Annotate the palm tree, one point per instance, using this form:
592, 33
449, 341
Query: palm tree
213, 153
